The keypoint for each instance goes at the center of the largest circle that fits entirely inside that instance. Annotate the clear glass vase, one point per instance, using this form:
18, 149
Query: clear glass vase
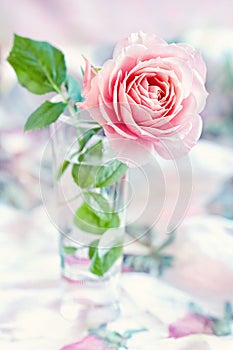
91, 192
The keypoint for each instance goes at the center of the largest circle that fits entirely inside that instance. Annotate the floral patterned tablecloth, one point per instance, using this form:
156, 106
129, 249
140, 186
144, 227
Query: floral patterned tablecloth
187, 308
154, 312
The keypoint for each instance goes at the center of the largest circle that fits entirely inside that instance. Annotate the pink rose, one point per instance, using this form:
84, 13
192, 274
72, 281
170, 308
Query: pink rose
148, 97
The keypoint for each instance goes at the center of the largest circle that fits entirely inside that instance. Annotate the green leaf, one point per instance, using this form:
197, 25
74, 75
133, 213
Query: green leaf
95, 215
46, 114
111, 257
62, 169
103, 209
39, 66
74, 89
69, 250
96, 266
86, 137
92, 248
87, 220
93, 154
100, 265
84, 175
97, 176
110, 173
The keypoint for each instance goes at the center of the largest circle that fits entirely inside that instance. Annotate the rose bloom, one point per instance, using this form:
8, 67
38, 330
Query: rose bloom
148, 97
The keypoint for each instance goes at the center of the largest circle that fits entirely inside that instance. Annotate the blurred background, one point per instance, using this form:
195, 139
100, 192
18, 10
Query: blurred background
200, 259
92, 29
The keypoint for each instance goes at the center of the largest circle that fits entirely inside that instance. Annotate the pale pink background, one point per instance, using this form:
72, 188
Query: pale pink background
103, 21
29, 315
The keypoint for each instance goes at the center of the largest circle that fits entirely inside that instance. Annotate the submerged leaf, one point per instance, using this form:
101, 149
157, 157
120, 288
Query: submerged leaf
95, 215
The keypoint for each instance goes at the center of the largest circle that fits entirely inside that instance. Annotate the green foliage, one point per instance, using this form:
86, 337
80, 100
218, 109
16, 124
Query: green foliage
62, 169
92, 248
41, 69
93, 154
39, 66
98, 176
110, 173
101, 264
82, 140
74, 89
84, 175
69, 250
95, 214
45, 115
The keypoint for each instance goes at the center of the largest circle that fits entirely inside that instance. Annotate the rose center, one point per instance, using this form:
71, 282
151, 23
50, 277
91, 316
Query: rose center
148, 89
155, 92
155, 89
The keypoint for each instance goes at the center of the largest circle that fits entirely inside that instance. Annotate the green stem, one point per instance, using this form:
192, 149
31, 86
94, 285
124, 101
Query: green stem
71, 109
65, 99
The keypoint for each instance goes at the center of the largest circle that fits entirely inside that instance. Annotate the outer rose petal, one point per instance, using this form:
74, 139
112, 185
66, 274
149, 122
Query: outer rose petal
89, 74
198, 62
178, 145
132, 152
147, 40
199, 92
193, 136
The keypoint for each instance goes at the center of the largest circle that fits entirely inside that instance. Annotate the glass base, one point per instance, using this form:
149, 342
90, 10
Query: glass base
90, 304
88, 298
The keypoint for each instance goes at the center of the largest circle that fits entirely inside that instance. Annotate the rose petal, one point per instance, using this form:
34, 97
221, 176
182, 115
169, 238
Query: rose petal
147, 40
89, 74
132, 152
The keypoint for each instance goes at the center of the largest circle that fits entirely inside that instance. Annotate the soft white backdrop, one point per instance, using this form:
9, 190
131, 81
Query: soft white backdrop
103, 21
